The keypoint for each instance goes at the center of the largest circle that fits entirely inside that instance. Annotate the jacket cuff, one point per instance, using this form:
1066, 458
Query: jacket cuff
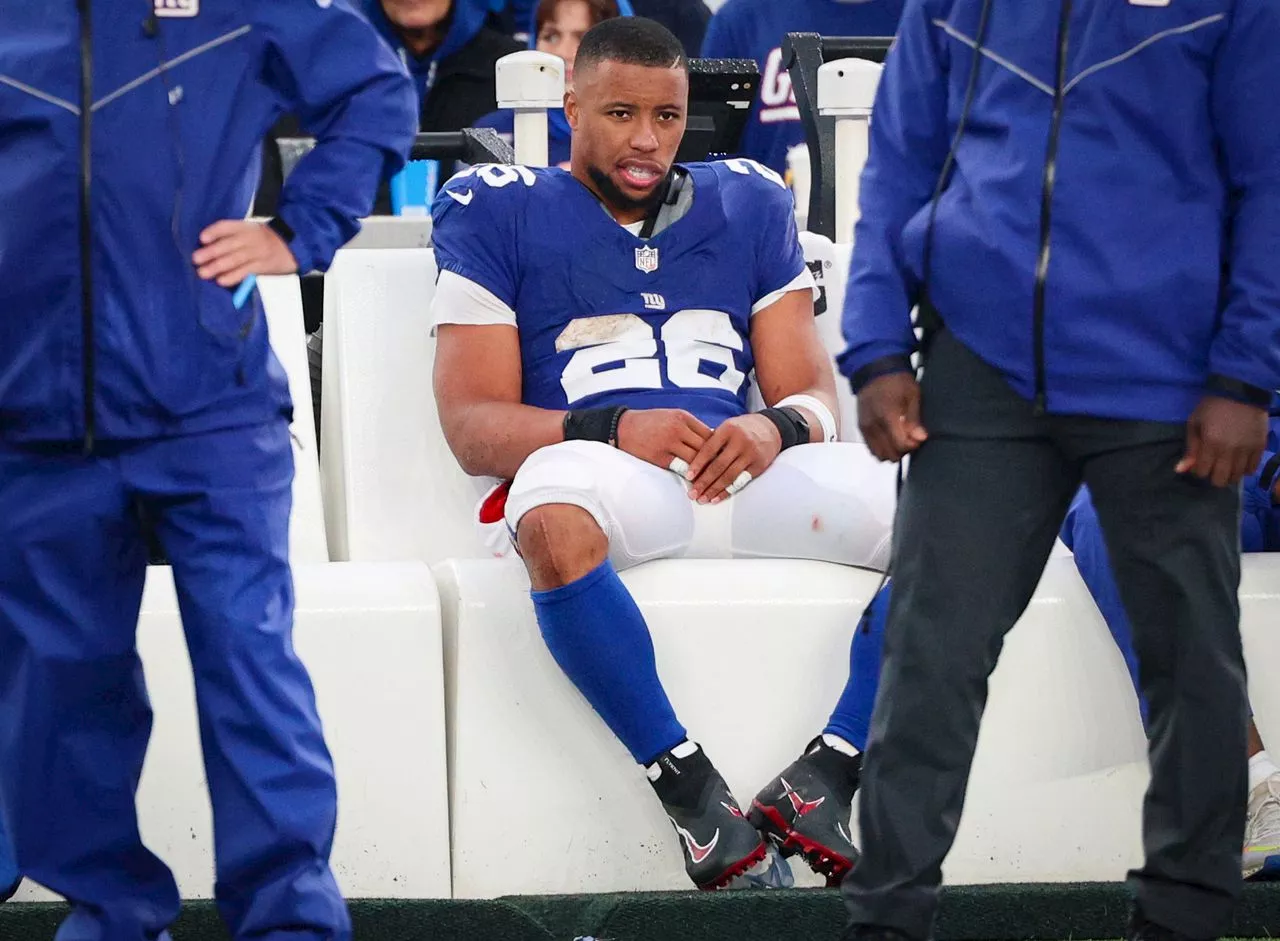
884, 366
1239, 391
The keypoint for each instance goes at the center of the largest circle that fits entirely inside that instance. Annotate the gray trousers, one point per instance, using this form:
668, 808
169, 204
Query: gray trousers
983, 503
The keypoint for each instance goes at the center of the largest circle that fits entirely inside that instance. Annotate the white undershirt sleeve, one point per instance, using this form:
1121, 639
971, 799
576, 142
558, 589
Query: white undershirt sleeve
802, 281
461, 301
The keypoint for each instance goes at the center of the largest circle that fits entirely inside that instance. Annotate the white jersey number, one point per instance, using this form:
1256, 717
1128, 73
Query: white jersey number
747, 167
689, 339
499, 175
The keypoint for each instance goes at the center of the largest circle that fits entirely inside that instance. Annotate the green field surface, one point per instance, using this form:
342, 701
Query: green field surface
969, 913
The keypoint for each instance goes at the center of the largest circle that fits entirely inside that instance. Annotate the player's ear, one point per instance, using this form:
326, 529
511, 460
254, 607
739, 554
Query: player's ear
571, 109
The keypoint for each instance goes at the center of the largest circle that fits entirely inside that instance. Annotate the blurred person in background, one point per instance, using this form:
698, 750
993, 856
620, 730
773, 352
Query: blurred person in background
558, 28
754, 29
687, 19
132, 385
450, 50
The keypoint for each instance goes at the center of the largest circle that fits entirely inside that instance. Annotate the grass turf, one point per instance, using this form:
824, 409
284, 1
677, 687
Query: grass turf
968, 913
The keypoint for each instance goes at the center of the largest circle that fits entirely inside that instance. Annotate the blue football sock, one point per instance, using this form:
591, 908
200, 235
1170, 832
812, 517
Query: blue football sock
597, 634
852, 716
1082, 534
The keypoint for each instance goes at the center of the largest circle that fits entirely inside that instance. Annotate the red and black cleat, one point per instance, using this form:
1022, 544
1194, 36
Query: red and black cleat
806, 810
717, 841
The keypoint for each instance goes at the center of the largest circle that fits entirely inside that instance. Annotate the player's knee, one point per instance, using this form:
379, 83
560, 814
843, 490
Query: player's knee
560, 543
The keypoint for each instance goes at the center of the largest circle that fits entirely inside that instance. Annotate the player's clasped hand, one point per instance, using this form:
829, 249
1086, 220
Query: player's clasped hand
889, 416
661, 435
231, 251
1224, 441
747, 443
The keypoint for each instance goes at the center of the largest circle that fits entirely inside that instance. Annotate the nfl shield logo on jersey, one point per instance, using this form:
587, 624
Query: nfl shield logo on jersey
647, 259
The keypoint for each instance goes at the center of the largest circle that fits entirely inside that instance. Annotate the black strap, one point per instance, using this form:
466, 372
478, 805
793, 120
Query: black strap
281, 228
675, 183
791, 425
594, 424
1267, 479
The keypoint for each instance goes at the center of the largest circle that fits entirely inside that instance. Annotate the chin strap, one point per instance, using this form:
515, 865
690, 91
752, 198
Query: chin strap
670, 196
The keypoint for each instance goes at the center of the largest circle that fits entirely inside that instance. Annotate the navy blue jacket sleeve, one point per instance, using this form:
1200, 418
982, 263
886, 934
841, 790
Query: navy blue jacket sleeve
350, 91
1246, 116
909, 139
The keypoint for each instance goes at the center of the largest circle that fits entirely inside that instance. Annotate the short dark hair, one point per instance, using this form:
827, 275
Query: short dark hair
631, 40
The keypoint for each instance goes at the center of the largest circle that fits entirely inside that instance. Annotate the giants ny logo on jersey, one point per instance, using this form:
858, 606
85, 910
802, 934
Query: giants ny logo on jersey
177, 8
777, 97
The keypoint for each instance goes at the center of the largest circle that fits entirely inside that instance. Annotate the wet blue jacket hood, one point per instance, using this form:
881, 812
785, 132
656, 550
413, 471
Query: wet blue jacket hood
155, 351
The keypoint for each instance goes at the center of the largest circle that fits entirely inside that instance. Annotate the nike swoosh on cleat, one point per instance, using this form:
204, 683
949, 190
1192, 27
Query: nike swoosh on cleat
840, 828
798, 803
697, 851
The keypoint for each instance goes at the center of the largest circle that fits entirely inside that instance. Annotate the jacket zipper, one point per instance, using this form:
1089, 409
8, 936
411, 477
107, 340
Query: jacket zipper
86, 232
1046, 204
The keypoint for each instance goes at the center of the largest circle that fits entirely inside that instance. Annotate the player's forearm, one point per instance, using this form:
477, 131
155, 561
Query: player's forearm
492, 439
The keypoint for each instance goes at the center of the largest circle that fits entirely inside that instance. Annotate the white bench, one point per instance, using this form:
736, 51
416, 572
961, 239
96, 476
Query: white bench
544, 800
282, 300
370, 637
392, 488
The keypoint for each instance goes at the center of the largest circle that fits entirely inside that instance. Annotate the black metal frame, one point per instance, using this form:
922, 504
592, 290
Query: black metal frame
802, 55
721, 93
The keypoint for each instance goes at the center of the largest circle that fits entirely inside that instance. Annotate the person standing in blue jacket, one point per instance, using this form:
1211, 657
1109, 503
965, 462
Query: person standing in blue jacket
754, 29
131, 384
1087, 212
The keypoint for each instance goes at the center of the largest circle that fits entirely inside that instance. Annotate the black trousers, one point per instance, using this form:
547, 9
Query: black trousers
983, 503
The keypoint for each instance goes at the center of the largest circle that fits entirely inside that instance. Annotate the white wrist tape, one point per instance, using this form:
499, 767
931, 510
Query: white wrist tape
830, 431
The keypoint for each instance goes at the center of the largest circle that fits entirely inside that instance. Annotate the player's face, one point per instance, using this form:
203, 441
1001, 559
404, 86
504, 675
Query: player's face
627, 124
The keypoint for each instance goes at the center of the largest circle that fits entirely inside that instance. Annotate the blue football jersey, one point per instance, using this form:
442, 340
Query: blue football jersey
753, 29
607, 318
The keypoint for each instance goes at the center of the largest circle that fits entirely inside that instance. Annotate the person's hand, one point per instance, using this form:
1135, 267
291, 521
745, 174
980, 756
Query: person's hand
231, 251
661, 435
1224, 441
889, 416
747, 443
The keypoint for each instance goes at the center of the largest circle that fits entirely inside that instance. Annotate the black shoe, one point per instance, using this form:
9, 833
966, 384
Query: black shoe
806, 810
1140, 929
874, 933
718, 842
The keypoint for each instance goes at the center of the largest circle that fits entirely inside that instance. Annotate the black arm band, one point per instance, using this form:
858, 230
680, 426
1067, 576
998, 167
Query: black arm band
790, 424
884, 366
594, 424
1239, 391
